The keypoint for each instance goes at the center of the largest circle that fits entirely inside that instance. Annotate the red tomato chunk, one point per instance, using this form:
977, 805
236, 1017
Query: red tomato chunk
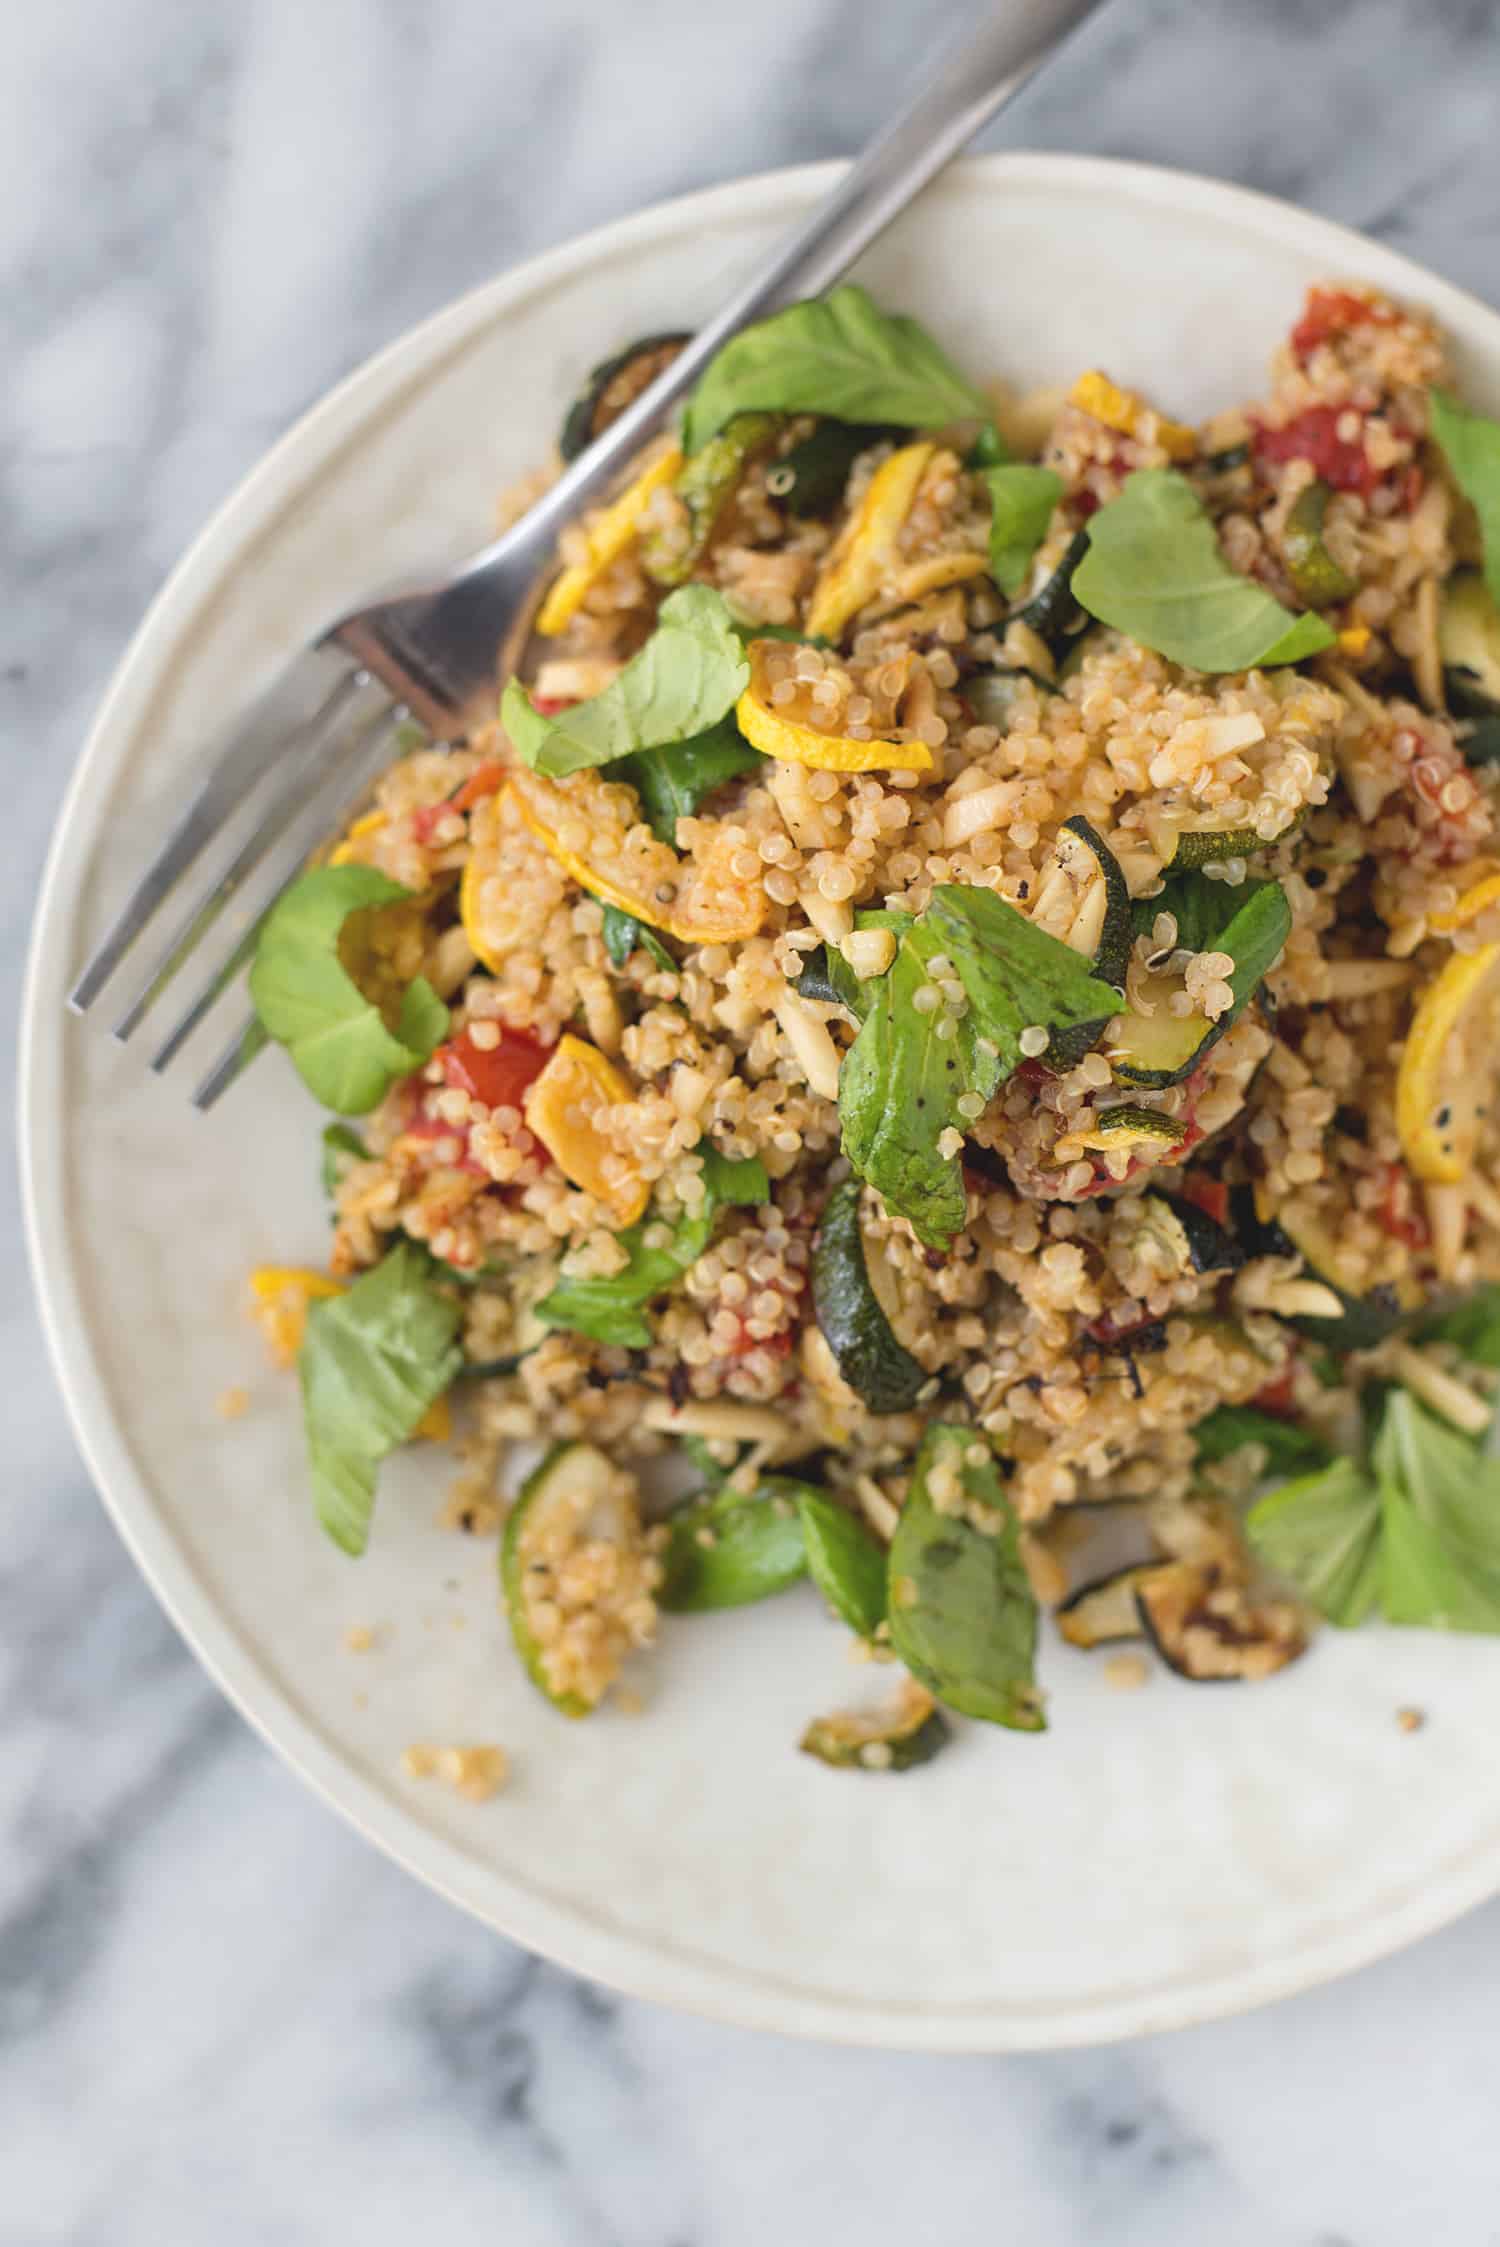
1313, 436
498, 1075
1331, 312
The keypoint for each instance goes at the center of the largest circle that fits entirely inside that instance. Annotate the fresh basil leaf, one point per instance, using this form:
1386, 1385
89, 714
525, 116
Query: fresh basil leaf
1470, 443
371, 1364
728, 1550
1440, 1523
307, 1000
1322, 1532
961, 1609
1154, 570
899, 1088
1251, 923
624, 934
845, 1562
1290, 1449
340, 1146
673, 781
612, 1310
1013, 973
1453, 1486
1425, 1582
838, 355
688, 676
1472, 1327
901, 1080
1021, 502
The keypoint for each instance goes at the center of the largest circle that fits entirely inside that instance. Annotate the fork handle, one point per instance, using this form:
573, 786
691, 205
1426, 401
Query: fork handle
978, 76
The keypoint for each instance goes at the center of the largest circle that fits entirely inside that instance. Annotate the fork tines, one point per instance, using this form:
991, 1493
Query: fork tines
297, 767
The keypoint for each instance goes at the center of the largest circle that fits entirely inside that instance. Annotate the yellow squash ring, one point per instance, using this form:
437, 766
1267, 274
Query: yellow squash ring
609, 536
703, 910
560, 1107
1428, 1089
866, 552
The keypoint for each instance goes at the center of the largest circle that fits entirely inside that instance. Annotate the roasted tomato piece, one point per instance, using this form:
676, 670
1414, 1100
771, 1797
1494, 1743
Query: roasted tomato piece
498, 1075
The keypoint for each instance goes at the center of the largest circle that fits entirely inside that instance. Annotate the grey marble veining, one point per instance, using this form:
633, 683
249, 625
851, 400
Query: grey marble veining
222, 2017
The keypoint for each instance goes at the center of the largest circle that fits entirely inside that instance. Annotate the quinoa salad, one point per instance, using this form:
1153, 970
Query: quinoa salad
942, 1040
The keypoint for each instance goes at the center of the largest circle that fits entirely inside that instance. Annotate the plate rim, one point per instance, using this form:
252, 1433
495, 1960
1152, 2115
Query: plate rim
631, 1964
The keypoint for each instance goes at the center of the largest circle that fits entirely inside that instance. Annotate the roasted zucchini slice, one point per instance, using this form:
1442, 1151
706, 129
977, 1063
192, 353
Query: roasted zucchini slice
1141, 1129
1469, 640
1051, 612
705, 484
1250, 923
572, 1644
613, 385
810, 479
911, 1730
1209, 1630
1188, 1235
882, 1374
1316, 577
1447, 1071
1104, 1612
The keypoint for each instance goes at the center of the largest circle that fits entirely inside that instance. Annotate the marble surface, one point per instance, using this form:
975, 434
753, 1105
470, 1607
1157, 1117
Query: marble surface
221, 2016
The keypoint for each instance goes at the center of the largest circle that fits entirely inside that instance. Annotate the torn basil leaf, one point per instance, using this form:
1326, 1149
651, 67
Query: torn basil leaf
845, 1561
1154, 570
910, 1065
686, 678
1022, 499
1470, 444
372, 1362
612, 1310
1321, 1531
673, 781
1473, 1327
729, 1549
838, 355
962, 1614
340, 1043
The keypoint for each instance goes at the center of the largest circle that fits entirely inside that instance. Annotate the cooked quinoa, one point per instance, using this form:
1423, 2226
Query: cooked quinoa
1082, 1324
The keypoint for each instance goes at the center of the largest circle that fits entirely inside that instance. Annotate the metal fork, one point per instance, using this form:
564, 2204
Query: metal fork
296, 766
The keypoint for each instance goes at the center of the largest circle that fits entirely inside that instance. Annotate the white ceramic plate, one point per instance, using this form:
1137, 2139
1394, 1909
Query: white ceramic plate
1154, 1859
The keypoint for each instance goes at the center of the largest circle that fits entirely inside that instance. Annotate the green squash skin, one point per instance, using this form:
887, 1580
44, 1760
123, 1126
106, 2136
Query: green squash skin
1209, 1247
1112, 957
705, 484
578, 431
1316, 577
1052, 613
1155, 1080
513, 1582
883, 1375
1130, 1121
810, 479
828, 1740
